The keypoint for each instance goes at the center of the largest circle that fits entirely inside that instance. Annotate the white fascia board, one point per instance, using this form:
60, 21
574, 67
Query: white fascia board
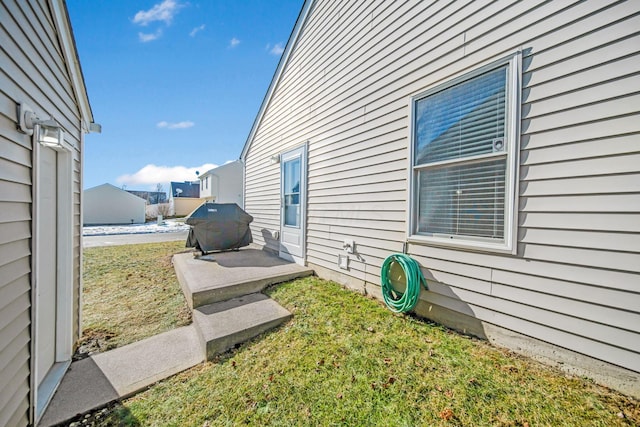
284, 59
67, 42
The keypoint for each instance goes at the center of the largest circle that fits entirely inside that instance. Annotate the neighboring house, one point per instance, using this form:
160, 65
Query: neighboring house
107, 204
40, 203
223, 184
497, 144
184, 197
152, 197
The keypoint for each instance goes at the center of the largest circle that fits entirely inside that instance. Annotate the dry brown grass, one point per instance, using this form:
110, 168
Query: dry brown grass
130, 293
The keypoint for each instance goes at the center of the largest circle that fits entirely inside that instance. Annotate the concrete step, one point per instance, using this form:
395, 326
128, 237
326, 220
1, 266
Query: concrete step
225, 275
224, 324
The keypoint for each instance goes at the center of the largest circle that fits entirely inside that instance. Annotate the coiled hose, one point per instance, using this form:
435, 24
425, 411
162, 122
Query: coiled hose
401, 302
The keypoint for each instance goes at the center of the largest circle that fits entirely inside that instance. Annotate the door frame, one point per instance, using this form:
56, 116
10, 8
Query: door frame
301, 152
42, 393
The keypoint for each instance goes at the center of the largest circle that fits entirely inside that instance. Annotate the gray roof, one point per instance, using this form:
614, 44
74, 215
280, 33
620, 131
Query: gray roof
187, 189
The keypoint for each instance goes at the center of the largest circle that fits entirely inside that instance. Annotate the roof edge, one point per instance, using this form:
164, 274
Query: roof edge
284, 59
67, 41
113, 187
212, 170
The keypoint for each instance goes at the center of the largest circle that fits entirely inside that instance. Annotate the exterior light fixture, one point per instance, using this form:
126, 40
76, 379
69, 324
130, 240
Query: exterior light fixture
95, 128
48, 132
275, 159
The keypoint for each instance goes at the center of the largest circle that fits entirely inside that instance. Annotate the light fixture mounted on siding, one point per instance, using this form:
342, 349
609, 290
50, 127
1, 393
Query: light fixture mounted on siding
48, 132
275, 159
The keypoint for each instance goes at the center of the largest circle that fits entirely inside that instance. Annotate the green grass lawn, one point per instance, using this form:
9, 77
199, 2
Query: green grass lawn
344, 359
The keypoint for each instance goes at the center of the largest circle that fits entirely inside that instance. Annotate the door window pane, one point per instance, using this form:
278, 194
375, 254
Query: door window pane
291, 193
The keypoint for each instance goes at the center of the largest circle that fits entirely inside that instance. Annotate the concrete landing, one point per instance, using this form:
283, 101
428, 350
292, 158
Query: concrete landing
225, 275
225, 324
105, 377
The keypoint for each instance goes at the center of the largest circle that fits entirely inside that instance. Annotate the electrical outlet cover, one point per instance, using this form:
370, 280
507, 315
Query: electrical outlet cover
343, 262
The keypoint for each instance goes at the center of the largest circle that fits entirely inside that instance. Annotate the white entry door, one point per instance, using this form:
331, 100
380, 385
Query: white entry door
293, 196
47, 261
53, 272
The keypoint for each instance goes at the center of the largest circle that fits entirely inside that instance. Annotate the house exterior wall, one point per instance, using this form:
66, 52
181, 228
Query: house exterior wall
224, 184
32, 70
346, 88
205, 186
106, 204
183, 206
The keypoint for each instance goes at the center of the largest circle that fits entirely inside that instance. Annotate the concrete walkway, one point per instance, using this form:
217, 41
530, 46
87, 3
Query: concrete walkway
223, 290
105, 377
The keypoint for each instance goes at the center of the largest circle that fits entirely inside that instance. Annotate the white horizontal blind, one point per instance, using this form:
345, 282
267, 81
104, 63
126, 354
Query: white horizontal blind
462, 120
460, 158
463, 199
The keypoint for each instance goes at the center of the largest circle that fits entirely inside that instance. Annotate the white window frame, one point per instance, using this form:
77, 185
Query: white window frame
512, 146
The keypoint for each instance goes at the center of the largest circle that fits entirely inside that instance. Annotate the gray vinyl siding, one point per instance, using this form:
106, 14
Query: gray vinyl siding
33, 71
346, 89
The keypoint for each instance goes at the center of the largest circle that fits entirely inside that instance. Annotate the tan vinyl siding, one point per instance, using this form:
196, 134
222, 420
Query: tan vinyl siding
346, 89
33, 71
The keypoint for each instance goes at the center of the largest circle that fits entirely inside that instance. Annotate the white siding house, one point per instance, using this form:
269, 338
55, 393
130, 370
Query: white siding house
40, 204
496, 143
107, 204
223, 184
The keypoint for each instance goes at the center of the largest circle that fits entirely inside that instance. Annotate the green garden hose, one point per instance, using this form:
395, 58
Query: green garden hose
401, 302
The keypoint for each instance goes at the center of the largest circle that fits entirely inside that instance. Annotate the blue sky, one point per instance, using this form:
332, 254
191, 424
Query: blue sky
175, 84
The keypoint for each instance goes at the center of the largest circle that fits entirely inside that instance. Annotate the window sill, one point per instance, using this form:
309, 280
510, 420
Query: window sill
464, 244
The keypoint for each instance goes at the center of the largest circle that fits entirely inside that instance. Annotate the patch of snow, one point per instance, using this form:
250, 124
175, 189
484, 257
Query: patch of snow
168, 226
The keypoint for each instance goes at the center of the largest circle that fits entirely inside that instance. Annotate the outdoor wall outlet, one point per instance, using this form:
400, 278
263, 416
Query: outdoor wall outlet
343, 262
349, 245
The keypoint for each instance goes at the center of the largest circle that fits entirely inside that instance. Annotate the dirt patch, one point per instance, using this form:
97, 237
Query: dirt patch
93, 341
112, 414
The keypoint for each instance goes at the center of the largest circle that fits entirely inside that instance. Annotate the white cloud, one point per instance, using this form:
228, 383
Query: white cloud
277, 49
196, 30
164, 12
234, 42
151, 175
147, 37
179, 125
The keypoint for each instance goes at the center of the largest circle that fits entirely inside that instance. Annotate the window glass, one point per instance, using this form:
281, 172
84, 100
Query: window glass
463, 120
463, 199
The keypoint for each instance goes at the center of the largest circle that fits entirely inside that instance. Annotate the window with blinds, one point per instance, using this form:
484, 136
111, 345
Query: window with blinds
462, 161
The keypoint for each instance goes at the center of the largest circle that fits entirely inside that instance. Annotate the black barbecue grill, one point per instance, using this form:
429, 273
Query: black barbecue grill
218, 227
